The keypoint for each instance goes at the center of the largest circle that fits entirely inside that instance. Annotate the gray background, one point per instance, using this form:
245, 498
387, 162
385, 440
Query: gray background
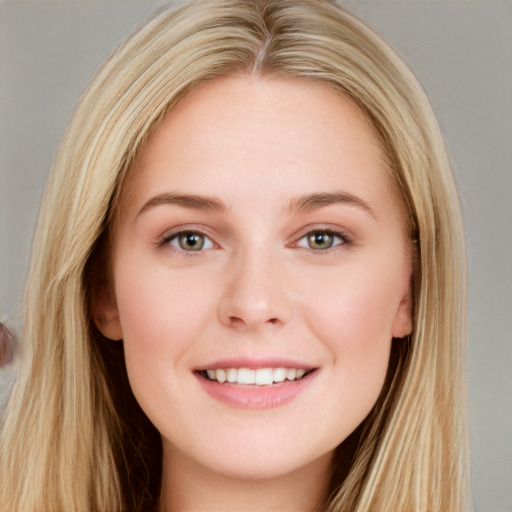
462, 53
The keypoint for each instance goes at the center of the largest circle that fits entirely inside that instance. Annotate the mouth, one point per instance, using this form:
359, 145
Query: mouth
258, 377
251, 386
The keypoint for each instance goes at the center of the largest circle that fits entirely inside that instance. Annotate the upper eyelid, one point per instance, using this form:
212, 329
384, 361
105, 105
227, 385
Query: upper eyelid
334, 230
172, 232
190, 231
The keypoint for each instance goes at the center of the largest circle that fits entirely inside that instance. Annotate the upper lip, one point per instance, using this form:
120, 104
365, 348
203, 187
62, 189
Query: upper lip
255, 363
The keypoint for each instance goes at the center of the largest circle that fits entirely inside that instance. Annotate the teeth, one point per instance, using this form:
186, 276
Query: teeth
245, 376
221, 375
291, 374
259, 377
279, 374
263, 377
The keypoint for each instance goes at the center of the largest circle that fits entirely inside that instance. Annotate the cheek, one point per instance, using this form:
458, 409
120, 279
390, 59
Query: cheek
353, 313
160, 318
353, 319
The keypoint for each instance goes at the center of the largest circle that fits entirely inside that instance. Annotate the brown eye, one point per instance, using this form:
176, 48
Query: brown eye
320, 240
190, 241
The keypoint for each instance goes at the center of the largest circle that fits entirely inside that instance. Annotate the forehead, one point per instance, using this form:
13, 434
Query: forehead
240, 130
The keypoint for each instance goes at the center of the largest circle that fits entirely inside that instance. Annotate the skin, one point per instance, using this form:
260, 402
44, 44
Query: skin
257, 288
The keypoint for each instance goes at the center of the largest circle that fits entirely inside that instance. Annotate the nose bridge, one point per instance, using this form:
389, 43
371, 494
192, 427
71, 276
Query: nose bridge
254, 294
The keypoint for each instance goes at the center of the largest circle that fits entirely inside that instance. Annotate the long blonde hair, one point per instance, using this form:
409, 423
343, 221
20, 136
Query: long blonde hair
66, 444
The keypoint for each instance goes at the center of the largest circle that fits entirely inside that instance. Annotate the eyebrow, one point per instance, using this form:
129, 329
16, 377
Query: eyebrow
310, 202
304, 203
194, 202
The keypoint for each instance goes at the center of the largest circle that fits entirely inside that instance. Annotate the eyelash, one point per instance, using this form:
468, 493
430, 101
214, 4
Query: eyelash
169, 238
338, 239
342, 239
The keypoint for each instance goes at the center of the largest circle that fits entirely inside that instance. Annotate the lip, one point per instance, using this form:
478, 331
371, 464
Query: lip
255, 397
254, 363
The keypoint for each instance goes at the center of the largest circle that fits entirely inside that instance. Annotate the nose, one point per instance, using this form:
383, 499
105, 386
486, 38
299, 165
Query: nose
255, 295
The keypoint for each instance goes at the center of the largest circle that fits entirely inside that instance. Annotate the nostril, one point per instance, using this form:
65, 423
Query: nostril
236, 321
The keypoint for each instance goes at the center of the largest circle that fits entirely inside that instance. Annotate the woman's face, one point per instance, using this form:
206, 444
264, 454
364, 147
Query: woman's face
261, 267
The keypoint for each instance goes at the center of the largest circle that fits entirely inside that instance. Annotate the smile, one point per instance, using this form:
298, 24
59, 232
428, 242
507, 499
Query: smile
257, 388
257, 377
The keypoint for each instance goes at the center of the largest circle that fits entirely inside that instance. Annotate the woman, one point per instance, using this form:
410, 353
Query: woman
255, 198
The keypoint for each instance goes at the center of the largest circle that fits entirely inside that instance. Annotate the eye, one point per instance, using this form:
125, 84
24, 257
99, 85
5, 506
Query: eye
191, 241
321, 240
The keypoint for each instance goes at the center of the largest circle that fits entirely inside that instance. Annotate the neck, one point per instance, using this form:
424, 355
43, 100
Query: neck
188, 486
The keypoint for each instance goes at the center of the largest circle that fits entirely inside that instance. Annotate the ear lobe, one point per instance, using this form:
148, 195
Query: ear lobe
402, 324
105, 313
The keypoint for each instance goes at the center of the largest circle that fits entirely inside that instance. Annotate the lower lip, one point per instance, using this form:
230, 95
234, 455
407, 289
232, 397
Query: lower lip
252, 397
